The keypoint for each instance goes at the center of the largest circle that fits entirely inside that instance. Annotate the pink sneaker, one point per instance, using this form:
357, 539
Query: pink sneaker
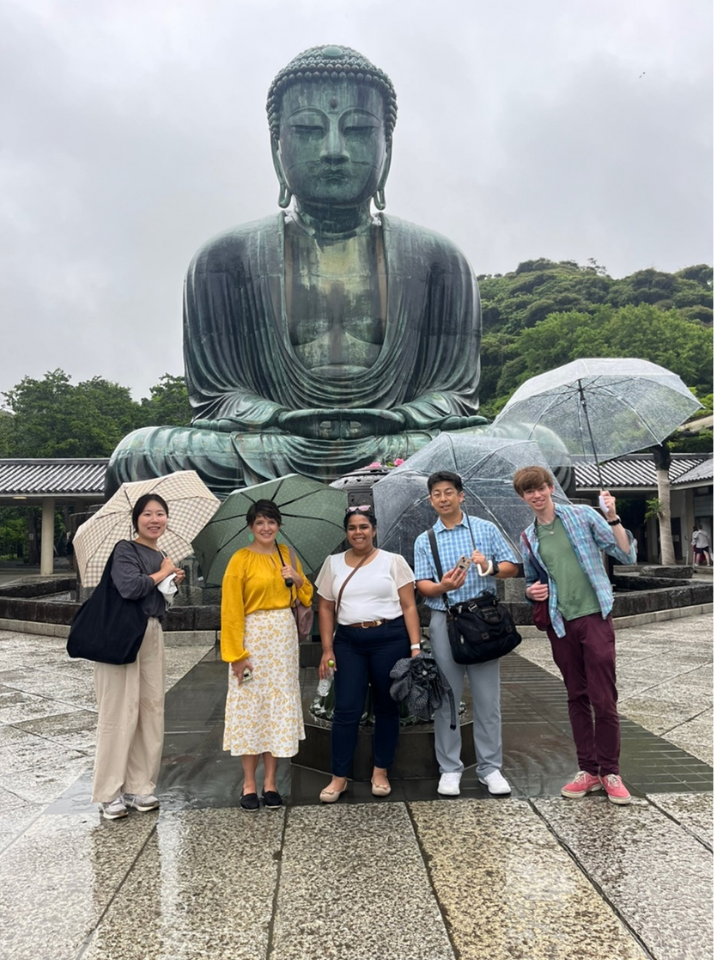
615, 789
582, 783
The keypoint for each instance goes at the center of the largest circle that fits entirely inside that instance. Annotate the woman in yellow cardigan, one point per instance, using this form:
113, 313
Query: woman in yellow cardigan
259, 640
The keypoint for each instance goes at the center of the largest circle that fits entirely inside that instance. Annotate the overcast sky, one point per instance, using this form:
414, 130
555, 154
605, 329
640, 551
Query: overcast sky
133, 130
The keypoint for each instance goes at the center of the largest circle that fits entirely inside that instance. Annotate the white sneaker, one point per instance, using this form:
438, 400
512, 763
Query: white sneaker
449, 785
114, 810
497, 784
144, 802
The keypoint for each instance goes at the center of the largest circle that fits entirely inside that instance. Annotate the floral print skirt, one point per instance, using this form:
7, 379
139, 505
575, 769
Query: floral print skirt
264, 715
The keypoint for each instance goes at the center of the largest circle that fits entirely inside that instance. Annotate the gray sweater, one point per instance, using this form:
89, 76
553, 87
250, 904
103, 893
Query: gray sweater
130, 572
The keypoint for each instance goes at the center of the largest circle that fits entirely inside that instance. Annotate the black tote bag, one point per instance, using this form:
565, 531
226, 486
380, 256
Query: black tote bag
107, 628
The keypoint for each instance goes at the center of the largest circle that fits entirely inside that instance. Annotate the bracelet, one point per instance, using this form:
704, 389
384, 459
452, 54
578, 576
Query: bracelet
415, 646
614, 523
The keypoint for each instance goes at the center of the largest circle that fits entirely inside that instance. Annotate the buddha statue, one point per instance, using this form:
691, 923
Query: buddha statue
329, 335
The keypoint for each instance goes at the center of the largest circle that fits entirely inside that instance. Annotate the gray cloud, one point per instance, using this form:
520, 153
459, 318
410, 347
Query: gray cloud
133, 132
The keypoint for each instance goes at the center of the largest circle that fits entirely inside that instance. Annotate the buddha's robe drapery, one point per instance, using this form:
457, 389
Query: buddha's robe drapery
242, 370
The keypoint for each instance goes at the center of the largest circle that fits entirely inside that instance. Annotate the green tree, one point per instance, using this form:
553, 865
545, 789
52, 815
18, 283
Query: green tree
54, 418
683, 346
168, 404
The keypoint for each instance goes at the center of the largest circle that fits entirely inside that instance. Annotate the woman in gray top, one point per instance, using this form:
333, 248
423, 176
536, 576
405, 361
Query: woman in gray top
130, 696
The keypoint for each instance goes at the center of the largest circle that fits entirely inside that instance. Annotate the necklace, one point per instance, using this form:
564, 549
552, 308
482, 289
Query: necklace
548, 528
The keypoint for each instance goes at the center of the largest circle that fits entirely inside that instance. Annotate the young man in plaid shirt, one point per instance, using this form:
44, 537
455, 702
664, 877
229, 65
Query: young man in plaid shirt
567, 542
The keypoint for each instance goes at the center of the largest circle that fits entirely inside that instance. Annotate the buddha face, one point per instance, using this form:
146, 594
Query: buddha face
332, 148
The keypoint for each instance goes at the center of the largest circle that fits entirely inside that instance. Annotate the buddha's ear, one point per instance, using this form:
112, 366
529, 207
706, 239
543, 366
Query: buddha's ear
379, 198
285, 193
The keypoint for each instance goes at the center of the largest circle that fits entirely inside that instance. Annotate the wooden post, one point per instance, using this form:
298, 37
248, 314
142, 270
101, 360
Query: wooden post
47, 558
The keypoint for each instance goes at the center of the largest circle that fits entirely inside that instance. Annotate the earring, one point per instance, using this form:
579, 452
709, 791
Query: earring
285, 196
379, 199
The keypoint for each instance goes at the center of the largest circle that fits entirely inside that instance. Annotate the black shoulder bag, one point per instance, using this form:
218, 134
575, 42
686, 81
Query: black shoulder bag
107, 628
481, 629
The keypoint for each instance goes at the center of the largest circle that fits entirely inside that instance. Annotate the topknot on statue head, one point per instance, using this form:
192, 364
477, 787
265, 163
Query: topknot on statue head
331, 62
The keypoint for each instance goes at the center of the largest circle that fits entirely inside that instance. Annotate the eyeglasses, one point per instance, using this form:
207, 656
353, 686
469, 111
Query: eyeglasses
364, 508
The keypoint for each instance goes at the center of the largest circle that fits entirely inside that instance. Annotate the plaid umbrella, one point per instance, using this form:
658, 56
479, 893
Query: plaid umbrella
312, 514
191, 505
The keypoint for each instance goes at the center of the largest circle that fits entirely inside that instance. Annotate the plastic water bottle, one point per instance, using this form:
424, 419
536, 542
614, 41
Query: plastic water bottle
323, 687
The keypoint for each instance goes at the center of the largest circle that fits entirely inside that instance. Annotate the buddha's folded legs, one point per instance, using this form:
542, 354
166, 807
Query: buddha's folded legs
225, 461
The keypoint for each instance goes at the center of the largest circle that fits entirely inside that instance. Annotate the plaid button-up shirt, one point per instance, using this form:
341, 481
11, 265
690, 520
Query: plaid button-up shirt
589, 533
453, 543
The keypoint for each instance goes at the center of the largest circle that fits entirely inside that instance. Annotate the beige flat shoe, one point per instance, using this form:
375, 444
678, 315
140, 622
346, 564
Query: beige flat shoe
331, 796
380, 789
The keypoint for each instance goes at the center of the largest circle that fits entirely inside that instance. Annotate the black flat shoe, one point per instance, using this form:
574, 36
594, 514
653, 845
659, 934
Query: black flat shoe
272, 799
249, 801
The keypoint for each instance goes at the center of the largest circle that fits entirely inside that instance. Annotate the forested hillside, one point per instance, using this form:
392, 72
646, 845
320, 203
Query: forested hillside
544, 314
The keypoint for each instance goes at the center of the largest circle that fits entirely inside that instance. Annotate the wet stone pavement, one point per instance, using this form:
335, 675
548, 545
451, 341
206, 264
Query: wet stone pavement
414, 877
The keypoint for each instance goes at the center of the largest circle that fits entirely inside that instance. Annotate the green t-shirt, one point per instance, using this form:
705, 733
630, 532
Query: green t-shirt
576, 596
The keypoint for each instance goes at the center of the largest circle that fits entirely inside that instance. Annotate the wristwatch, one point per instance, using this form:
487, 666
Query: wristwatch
495, 568
615, 523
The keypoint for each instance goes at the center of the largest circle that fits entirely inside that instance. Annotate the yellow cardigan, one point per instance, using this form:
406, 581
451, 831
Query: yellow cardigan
252, 581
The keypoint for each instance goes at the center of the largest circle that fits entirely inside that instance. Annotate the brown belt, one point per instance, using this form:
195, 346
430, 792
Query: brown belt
366, 624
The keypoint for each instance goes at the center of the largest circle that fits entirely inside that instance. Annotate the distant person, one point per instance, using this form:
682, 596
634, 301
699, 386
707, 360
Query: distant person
701, 547
567, 542
454, 540
368, 621
130, 696
259, 639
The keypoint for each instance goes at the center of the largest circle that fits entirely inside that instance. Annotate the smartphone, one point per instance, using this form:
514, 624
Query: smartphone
247, 675
463, 563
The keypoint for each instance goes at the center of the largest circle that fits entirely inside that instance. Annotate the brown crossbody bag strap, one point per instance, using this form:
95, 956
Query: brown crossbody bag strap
342, 588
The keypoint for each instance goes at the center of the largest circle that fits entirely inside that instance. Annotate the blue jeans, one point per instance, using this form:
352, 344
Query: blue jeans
365, 657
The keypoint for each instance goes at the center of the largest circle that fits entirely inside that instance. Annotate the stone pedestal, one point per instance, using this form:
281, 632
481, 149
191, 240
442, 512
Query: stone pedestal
415, 758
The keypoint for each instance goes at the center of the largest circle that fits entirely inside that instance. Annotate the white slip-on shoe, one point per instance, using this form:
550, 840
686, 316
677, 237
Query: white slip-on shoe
497, 784
449, 785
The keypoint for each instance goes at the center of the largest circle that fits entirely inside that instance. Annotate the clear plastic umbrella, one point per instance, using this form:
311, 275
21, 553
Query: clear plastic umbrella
603, 407
312, 523
486, 466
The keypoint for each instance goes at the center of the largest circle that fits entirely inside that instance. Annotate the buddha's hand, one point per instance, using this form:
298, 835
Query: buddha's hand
461, 423
340, 423
218, 426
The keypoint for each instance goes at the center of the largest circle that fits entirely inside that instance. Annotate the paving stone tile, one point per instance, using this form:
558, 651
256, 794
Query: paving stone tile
353, 885
202, 887
657, 876
47, 907
656, 715
16, 817
16, 706
77, 731
692, 810
20, 750
695, 736
42, 782
509, 890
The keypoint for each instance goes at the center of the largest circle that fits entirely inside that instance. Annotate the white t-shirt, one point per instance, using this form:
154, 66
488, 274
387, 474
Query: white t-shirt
372, 593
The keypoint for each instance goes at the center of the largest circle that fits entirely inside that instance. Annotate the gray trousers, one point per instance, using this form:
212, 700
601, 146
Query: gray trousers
485, 683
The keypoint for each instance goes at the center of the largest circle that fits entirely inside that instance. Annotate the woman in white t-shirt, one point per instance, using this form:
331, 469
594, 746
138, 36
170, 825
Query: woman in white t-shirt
371, 595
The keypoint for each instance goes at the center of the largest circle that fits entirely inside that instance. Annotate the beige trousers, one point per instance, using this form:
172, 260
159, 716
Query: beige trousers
130, 728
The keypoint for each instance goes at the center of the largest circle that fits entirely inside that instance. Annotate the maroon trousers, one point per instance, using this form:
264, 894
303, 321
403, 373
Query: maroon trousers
585, 657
